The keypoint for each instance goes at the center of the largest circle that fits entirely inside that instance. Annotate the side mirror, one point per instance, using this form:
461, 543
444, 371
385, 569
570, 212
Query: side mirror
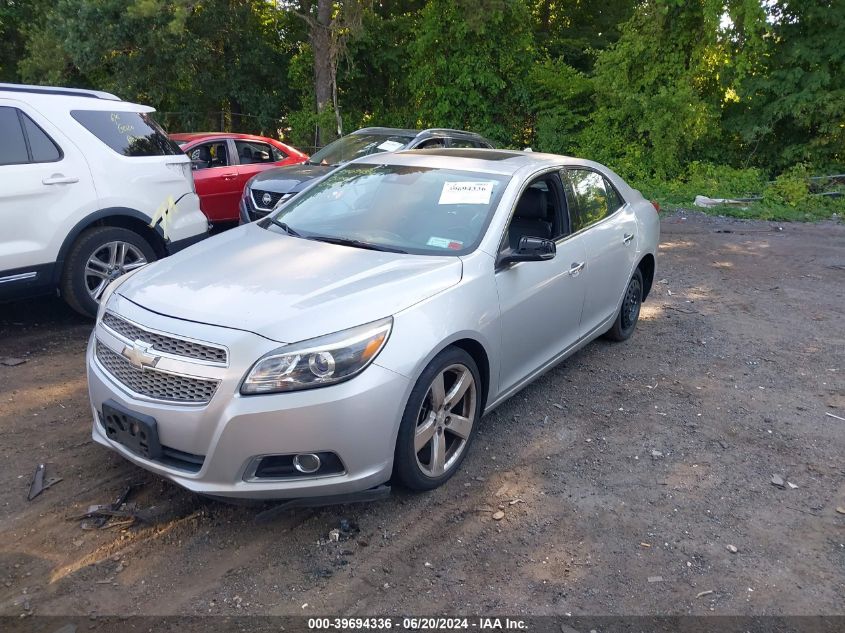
198, 164
530, 249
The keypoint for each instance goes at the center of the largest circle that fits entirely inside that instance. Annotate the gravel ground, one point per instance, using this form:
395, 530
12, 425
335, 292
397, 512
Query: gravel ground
635, 478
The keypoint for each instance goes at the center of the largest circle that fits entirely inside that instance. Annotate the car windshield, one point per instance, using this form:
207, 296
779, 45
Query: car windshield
421, 210
354, 146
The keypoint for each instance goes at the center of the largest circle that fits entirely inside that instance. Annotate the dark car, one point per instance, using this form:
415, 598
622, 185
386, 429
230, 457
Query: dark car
267, 189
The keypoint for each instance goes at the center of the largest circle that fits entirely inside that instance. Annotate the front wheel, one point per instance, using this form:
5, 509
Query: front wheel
439, 421
99, 256
629, 311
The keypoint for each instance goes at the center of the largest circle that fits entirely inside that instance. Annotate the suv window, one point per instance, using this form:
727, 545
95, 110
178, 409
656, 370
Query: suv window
253, 152
464, 142
42, 147
23, 141
13, 148
432, 143
127, 133
590, 196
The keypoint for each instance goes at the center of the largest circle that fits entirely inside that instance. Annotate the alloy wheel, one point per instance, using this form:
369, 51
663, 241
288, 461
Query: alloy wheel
445, 420
108, 262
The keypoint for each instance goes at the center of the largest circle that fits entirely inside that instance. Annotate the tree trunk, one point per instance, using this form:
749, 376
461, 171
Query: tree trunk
321, 44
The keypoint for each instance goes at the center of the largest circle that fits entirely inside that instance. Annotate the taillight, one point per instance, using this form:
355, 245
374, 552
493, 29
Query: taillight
656, 205
188, 172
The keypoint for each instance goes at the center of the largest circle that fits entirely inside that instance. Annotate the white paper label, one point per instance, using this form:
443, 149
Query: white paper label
471, 192
443, 242
390, 146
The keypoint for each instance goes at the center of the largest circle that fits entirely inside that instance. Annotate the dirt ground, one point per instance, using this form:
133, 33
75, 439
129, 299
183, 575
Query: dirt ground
624, 474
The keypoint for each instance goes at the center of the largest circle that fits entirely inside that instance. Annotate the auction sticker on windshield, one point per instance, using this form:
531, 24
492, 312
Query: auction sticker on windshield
390, 146
471, 192
442, 242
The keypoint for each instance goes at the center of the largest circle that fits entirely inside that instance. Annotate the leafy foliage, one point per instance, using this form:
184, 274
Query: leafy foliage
468, 65
725, 98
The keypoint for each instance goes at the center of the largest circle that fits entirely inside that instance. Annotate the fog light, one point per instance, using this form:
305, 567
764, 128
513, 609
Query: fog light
306, 463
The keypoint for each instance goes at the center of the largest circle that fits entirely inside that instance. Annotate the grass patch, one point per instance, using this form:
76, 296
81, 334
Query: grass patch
791, 197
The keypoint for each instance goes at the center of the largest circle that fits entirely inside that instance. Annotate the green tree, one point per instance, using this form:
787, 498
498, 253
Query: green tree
469, 65
792, 107
207, 65
573, 31
658, 90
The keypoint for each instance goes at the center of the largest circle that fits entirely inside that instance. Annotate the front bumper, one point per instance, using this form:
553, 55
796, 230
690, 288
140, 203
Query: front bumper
357, 420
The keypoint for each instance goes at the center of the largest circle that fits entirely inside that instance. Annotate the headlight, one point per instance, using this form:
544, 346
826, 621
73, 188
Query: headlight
109, 291
319, 361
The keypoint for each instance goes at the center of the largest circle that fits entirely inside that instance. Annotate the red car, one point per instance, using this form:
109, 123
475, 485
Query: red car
224, 162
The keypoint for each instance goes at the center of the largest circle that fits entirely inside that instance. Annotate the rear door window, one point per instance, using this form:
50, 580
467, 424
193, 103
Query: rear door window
590, 194
127, 133
254, 152
23, 141
614, 200
43, 149
13, 148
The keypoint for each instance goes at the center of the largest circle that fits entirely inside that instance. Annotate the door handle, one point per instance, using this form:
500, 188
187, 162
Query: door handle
627, 238
576, 268
58, 179
230, 176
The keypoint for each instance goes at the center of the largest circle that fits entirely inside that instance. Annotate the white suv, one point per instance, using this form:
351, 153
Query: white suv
83, 176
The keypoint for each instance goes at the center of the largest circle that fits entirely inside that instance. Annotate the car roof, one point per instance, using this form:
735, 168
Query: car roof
411, 133
494, 161
201, 136
50, 97
58, 91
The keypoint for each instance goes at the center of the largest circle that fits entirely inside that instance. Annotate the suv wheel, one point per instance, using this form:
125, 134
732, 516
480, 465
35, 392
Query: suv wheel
99, 256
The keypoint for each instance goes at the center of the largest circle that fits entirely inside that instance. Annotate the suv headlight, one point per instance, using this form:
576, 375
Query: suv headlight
318, 362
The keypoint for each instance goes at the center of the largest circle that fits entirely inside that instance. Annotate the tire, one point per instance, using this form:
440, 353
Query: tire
456, 425
95, 246
629, 312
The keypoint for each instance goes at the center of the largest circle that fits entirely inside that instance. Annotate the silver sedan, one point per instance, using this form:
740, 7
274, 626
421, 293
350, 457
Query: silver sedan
359, 333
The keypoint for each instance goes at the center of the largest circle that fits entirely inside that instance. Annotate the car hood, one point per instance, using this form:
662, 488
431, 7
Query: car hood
286, 288
292, 179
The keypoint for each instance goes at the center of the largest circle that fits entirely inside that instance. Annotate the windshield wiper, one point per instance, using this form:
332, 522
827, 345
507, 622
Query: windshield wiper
343, 241
284, 227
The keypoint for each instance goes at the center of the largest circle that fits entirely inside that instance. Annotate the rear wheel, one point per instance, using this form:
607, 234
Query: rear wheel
439, 421
629, 312
100, 255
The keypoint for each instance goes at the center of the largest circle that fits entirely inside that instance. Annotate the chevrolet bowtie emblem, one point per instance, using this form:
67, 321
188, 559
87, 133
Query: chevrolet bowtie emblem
138, 354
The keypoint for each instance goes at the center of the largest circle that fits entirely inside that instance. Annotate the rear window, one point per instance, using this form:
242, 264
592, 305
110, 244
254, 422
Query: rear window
127, 133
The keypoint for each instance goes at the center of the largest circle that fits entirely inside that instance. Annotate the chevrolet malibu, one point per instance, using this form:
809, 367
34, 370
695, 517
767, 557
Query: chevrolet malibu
359, 333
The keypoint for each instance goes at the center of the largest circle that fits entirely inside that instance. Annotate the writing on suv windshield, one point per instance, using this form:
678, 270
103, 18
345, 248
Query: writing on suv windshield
422, 210
355, 146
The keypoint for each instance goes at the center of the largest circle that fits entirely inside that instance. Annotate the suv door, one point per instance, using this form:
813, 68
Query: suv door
609, 227
540, 302
216, 179
45, 186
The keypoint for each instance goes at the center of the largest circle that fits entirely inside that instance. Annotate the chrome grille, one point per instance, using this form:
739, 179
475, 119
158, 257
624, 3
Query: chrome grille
164, 343
156, 384
258, 198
